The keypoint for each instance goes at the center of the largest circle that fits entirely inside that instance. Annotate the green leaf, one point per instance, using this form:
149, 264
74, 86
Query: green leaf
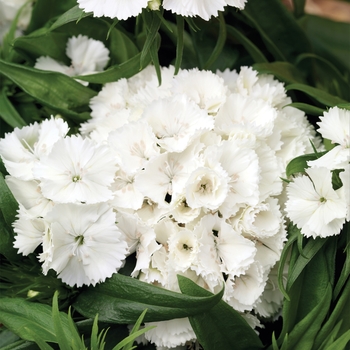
310, 250
281, 33
341, 343
299, 164
283, 71
319, 95
61, 336
114, 73
72, 15
122, 299
8, 112
52, 89
26, 319
303, 334
153, 23
44, 10
180, 23
220, 43
335, 319
299, 6
308, 109
251, 48
330, 39
8, 203
220, 327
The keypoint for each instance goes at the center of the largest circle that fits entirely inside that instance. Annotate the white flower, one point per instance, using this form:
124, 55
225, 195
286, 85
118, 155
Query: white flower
28, 194
140, 239
207, 188
313, 205
125, 193
176, 122
205, 88
87, 56
29, 232
245, 114
201, 8
76, 170
170, 333
135, 144
164, 177
335, 126
183, 248
243, 291
242, 167
22, 149
88, 246
121, 9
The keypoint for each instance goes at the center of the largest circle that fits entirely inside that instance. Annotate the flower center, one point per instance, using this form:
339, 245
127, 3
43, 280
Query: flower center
76, 178
79, 240
323, 200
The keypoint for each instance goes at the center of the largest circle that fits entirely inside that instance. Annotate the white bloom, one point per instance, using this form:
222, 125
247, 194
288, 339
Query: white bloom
313, 205
87, 56
28, 194
335, 126
201, 8
164, 177
170, 333
140, 239
121, 9
21, 149
176, 122
135, 144
183, 248
243, 291
207, 188
245, 114
29, 232
76, 170
242, 167
88, 246
125, 193
236, 252
205, 88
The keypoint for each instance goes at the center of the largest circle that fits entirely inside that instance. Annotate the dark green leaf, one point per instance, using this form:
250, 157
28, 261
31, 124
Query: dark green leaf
330, 39
282, 35
283, 71
299, 6
8, 112
122, 299
52, 89
8, 203
114, 73
308, 109
26, 318
220, 327
180, 42
251, 48
219, 43
342, 343
72, 15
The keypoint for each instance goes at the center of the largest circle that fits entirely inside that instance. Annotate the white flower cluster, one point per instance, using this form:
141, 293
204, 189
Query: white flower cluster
123, 9
313, 205
190, 171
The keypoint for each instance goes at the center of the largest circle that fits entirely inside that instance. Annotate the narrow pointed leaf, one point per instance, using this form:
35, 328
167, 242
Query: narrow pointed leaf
319, 95
299, 164
73, 14
19, 316
308, 109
